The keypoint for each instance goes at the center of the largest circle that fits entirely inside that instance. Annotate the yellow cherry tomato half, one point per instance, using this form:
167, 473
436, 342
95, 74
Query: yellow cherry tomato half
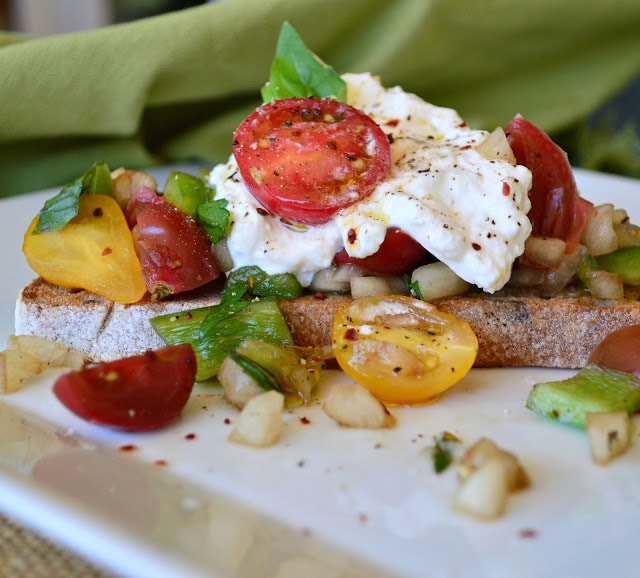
93, 251
403, 350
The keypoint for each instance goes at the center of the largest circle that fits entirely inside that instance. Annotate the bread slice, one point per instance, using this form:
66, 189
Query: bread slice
513, 329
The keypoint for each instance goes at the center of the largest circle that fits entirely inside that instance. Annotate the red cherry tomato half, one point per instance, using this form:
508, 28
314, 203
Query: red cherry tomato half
174, 252
398, 254
306, 158
556, 209
137, 393
620, 350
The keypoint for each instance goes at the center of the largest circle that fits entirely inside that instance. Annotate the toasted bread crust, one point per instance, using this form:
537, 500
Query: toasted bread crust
513, 329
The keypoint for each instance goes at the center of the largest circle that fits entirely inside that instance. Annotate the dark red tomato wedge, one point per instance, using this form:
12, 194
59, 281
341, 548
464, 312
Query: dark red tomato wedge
398, 254
556, 209
174, 252
137, 393
304, 159
620, 350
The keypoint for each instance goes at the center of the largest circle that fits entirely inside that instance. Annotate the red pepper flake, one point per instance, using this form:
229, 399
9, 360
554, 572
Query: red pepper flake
262, 212
506, 189
305, 420
227, 420
128, 448
161, 463
352, 236
351, 334
393, 122
188, 315
476, 246
363, 518
107, 251
462, 124
319, 296
528, 533
190, 436
465, 147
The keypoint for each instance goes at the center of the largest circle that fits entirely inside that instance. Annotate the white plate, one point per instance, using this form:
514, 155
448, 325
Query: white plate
326, 502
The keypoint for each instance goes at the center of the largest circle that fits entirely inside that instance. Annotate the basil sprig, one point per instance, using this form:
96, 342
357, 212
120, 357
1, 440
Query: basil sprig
297, 72
59, 210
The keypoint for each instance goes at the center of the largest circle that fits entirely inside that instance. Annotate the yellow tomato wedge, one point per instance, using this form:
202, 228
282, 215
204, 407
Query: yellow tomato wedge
402, 349
93, 251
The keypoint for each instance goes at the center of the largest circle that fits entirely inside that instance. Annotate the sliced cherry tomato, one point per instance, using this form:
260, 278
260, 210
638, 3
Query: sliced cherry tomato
397, 255
556, 208
619, 350
304, 158
93, 251
175, 253
403, 350
136, 393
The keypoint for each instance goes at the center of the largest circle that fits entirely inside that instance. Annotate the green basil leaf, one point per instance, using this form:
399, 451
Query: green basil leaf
260, 284
442, 451
59, 210
298, 72
214, 218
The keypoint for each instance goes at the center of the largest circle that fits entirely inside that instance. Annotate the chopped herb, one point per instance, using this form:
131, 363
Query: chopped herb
442, 451
414, 287
213, 217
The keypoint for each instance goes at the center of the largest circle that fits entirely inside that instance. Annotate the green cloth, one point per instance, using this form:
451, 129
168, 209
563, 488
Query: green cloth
173, 87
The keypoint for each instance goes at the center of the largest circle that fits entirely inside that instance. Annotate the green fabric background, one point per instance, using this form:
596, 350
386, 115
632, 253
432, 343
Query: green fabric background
173, 87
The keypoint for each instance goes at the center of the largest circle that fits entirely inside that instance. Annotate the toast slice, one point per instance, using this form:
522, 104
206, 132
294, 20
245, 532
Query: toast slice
513, 328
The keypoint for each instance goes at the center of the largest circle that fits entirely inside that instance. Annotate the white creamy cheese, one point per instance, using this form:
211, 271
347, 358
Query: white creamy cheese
468, 211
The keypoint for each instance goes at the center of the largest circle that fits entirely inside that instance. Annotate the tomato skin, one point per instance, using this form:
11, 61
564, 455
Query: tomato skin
304, 159
142, 197
175, 253
556, 208
404, 351
620, 350
398, 254
137, 393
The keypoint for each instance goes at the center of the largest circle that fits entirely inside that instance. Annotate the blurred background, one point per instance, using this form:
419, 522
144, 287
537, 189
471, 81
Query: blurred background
608, 141
43, 17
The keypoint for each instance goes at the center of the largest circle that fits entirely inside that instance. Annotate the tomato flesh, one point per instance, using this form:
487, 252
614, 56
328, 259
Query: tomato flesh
175, 253
404, 351
137, 393
398, 254
304, 159
94, 251
556, 208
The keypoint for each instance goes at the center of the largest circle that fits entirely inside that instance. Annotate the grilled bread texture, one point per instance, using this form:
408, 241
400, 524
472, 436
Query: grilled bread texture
514, 328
